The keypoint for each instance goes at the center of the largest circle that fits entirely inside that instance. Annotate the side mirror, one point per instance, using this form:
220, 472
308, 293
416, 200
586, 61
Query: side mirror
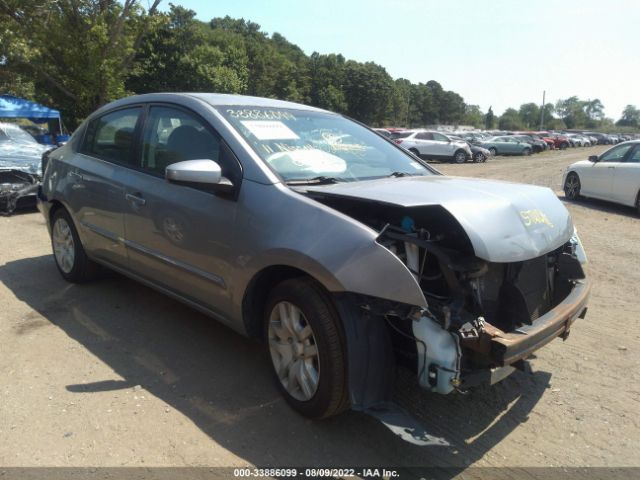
593, 158
194, 172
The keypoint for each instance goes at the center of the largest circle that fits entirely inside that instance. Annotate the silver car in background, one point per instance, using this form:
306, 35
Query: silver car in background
343, 253
434, 146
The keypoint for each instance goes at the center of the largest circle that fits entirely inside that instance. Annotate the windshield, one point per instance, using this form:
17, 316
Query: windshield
15, 133
305, 145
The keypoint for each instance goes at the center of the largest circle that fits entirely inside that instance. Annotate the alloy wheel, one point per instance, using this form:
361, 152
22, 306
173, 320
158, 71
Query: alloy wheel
572, 187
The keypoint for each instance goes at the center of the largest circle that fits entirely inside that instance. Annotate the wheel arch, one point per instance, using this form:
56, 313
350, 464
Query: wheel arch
257, 292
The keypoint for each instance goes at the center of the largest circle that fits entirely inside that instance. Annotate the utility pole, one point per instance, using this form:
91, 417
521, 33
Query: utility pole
542, 110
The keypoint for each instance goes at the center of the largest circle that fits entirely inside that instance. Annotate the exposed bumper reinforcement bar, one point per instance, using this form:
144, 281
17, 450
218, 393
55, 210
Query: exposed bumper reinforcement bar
508, 348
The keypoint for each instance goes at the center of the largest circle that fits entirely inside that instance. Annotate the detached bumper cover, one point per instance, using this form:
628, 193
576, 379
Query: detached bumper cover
508, 348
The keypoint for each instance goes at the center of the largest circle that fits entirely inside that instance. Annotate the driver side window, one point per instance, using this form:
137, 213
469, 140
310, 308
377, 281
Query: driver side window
616, 155
172, 135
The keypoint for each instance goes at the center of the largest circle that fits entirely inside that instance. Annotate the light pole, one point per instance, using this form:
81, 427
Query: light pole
542, 110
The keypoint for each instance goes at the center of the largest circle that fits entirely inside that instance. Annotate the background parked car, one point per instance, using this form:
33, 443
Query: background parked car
507, 145
613, 176
19, 150
479, 154
537, 145
435, 146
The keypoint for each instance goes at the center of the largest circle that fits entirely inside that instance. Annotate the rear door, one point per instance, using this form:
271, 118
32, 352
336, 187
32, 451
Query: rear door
443, 145
95, 189
425, 144
180, 237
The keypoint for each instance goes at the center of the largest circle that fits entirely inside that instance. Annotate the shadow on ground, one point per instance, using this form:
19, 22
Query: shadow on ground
221, 381
603, 206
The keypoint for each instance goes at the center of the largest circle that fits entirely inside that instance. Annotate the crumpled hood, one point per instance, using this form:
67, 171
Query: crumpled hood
22, 156
505, 221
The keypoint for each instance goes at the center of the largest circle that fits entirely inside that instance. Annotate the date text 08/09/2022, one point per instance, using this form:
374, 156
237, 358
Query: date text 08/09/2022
316, 472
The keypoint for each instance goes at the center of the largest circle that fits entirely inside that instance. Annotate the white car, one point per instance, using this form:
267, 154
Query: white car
613, 176
434, 145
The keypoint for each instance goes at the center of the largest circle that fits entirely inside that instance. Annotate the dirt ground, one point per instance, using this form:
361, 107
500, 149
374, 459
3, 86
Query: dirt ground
115, 374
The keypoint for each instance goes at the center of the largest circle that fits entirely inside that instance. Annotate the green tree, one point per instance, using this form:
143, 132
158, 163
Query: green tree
510, 120
178, 55
368, 90
630, 117
529, 115
489, 119
78, 52
473, 116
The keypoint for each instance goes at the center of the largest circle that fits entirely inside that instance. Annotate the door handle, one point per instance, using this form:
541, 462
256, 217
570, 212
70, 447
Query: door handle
138, 200
76, 175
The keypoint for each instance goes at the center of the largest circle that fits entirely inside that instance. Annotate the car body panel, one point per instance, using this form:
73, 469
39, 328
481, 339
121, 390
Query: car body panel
526, 220
617, 181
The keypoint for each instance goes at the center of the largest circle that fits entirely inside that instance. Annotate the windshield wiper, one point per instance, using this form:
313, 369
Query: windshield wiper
319, 180
400, 174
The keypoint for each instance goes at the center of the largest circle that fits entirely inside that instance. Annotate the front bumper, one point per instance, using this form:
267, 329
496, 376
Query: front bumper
508, 348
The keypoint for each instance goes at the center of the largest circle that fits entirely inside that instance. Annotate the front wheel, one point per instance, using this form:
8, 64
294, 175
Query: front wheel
68, 252
460, 157
479, 157
415, 152
572, 186
526, 152
306, 347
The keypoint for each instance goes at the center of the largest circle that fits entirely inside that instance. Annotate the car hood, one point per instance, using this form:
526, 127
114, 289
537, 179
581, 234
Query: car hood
22, 156
505, 222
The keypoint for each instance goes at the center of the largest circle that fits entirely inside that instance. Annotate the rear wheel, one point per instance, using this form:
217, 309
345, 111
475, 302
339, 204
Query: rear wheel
460, 156
638, 203
306, 347
68, 252
572, 186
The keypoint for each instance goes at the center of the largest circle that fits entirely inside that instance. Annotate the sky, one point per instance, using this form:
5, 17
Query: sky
499, 53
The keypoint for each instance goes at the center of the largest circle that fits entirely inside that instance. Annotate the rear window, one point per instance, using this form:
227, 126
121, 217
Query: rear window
395, 135
111, 137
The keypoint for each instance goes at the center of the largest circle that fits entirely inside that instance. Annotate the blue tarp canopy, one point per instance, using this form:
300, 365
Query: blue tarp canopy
14, 107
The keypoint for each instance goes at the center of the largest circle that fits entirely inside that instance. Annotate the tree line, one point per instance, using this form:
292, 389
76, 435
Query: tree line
77, 55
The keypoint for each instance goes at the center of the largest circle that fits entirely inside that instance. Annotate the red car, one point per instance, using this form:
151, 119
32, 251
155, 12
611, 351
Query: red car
559, 141
539, 136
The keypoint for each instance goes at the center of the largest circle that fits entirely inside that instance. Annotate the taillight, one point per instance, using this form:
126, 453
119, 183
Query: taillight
399, 141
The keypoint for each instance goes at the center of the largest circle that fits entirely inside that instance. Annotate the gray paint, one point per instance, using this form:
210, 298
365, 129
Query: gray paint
490, 211
228, 241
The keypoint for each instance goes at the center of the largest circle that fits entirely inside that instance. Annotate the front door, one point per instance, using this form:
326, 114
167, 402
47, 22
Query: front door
598, 180
177, 236
626, 179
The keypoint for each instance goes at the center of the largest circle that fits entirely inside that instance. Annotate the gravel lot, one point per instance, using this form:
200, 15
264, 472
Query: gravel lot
115, 374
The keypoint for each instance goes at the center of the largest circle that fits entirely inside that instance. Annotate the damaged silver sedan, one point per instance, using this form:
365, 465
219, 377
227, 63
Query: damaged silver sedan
348, 256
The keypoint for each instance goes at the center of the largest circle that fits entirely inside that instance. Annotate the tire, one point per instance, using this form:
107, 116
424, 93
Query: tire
460, 157
563, 146
299, 320
415, 152
572, 186
526, 152
494, 151
479, 157
638, 204
68, 253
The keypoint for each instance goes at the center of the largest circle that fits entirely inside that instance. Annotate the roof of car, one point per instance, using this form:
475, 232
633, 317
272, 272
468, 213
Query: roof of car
215, 100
